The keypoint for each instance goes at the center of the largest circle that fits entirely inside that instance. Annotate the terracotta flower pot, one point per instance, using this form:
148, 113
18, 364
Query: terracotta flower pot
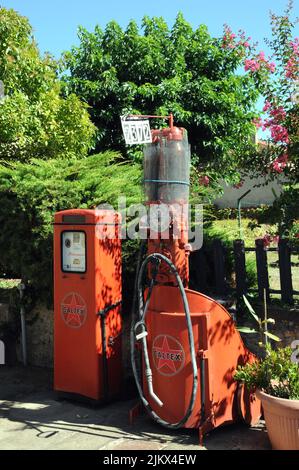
282, 421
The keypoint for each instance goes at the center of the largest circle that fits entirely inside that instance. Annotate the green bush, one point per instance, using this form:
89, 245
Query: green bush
276, 375
30, 194
284, 212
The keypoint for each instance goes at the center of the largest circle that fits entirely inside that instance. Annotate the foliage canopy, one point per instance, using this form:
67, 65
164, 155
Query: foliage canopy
159, 70
35, 120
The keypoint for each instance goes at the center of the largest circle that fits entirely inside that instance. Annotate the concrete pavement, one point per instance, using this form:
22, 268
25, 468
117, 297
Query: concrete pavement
31, 418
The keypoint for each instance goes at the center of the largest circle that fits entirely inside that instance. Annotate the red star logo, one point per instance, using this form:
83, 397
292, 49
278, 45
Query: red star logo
73, 310
167, 357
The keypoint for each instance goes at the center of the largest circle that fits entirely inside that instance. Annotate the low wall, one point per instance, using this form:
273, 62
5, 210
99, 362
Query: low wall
40, 334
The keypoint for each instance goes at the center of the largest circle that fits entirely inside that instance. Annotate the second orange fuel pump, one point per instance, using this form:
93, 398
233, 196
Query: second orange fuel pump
190, 344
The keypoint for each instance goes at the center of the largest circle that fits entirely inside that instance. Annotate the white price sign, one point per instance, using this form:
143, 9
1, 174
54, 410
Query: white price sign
136, 131
73, 252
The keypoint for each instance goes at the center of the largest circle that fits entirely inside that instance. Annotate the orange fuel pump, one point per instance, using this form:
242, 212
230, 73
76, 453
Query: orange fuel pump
87, 298
190, 344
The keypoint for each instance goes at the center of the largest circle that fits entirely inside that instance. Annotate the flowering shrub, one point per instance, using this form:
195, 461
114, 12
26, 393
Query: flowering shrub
204, 180
277, 79
259, 62
268, 239
292, 66
278, 82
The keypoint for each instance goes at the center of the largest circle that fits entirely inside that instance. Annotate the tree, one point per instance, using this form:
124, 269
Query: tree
35, 120
280, 117
162, 70
44, 141
280, 89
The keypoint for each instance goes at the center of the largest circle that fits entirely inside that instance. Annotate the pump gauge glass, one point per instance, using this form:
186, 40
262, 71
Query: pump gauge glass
73, 251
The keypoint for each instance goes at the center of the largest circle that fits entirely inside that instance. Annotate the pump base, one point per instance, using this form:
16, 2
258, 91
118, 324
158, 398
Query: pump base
76, 397
220, 350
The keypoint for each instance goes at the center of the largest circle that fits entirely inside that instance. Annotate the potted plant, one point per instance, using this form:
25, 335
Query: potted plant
275, 379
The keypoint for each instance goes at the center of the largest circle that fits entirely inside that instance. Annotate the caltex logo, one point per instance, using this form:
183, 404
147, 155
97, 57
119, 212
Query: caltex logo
73, 310
168, 355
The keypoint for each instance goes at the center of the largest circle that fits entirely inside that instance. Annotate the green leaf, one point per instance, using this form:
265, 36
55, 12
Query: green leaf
247, 330
271, 336
251, 310
269, 320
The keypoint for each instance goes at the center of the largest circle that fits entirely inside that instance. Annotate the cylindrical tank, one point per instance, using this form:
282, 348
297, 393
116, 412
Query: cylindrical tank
167, 167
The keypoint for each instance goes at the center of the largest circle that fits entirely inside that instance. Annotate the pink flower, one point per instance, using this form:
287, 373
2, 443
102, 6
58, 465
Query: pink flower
279, 114
278, 167
251, 64
279, 134
295, 46
292, 68
229, 39
257, 122
267, 123
267, 106
271, 67
280, 163
283, 158
267, 239
246, 44
238, 185
204, 180
261, 56
276, 239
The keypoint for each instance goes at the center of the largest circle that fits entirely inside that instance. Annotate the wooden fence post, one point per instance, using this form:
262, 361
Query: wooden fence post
262, 268
240, 268
285, 269
198, 269
219, 266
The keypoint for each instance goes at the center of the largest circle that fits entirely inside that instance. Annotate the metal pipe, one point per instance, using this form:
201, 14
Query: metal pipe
21, 289
202, 389
104, 358
239, 212
151, 116
102, 314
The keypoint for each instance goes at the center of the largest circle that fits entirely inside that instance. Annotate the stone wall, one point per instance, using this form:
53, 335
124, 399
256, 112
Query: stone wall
40, 329
40, 334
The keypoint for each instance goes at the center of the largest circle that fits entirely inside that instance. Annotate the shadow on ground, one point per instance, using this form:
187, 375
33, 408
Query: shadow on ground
31, 418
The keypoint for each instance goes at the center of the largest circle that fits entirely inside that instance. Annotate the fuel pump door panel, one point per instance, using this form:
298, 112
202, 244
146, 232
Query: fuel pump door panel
73, 254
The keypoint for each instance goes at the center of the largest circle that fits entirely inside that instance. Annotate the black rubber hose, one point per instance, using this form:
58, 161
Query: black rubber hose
142, 315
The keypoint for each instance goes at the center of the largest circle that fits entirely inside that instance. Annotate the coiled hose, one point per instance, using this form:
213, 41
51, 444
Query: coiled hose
156, 258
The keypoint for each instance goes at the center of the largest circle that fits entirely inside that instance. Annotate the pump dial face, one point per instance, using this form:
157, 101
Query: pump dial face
74, 251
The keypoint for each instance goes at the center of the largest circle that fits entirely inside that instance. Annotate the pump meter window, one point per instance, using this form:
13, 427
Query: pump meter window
74, 252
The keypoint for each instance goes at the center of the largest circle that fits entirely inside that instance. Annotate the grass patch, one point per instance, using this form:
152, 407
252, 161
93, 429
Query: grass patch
9, 283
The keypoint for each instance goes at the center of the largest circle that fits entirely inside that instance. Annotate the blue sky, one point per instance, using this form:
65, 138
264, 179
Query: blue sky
55, 22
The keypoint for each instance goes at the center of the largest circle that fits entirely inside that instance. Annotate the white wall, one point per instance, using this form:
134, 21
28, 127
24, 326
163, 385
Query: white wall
257, 196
